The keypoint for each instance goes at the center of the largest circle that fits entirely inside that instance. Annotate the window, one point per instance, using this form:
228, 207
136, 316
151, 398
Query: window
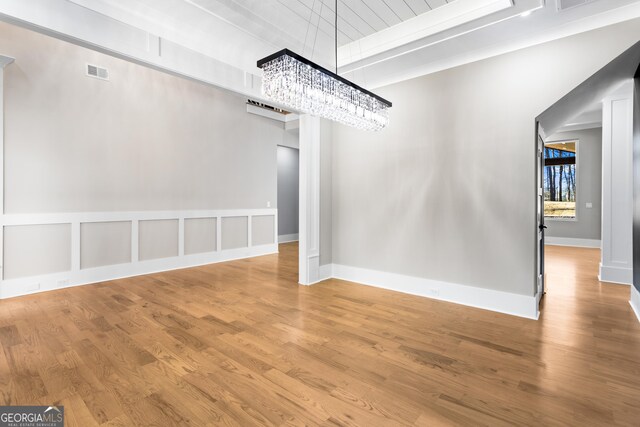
560, 179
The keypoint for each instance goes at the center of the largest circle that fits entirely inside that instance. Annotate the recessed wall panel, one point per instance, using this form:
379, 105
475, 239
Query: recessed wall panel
105, 243
32, 250
234, 232
199, 235
158, 239
262, 230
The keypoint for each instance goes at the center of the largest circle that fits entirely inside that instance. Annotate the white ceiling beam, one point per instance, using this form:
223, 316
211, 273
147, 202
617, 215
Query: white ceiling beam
76, 24
435, 21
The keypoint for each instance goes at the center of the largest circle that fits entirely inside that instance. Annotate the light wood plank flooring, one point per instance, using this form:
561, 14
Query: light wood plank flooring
240, 343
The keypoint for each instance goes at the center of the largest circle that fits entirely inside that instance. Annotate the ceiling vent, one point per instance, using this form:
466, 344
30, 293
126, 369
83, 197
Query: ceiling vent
568, 4
97, 72
267, 107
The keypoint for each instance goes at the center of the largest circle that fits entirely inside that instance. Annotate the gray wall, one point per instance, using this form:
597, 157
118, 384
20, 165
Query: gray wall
142, 141
288, 190
145, 140
587, 224
447, 191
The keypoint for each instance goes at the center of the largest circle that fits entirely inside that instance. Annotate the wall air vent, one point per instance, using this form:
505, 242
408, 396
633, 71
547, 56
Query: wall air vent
97, 72
568, 4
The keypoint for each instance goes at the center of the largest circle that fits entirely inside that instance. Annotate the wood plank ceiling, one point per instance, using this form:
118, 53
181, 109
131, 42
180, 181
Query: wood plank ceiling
356, 18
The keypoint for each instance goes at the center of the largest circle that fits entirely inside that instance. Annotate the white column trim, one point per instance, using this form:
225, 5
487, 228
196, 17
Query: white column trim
4, 61
616, 265
309, 200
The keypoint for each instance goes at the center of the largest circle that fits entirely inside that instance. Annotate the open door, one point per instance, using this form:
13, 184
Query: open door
540, 211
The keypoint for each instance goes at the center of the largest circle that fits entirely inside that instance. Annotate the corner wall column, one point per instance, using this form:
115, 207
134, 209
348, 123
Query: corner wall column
617, 187
4, 61
309, 203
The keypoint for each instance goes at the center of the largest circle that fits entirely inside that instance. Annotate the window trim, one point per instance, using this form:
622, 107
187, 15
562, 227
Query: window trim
577, 166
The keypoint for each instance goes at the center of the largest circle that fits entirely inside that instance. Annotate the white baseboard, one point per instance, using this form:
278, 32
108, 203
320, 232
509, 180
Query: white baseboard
618, 275
34, 284
569, 241
286, 238
325, 272
635, 301
502, 302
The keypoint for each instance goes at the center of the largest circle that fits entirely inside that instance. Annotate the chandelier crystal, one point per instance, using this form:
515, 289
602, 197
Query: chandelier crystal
298, 83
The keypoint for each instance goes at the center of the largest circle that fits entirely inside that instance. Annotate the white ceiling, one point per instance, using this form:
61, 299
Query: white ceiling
430, 35
252, 29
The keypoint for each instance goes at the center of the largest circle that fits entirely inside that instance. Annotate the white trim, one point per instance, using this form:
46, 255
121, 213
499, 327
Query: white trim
617, 275
571, 241
401, 38
592, 22
135, 240
325, 272
487, 299
82, 217
74, 23
616, 264
4, 61
29, 285
634, 301
181, 236
309, 201
286, 238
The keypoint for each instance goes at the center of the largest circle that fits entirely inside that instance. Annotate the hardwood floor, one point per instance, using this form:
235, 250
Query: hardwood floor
240, 343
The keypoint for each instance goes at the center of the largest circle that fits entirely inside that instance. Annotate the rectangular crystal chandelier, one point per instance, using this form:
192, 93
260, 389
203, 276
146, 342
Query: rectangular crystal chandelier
300, 84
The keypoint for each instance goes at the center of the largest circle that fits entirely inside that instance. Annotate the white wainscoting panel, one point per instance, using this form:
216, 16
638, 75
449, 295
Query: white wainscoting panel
76, 276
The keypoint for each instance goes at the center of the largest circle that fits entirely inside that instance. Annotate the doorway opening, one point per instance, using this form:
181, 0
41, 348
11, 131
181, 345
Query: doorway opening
568, 182
288, 188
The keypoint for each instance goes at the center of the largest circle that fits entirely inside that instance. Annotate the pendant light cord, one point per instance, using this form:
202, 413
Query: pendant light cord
335, 28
